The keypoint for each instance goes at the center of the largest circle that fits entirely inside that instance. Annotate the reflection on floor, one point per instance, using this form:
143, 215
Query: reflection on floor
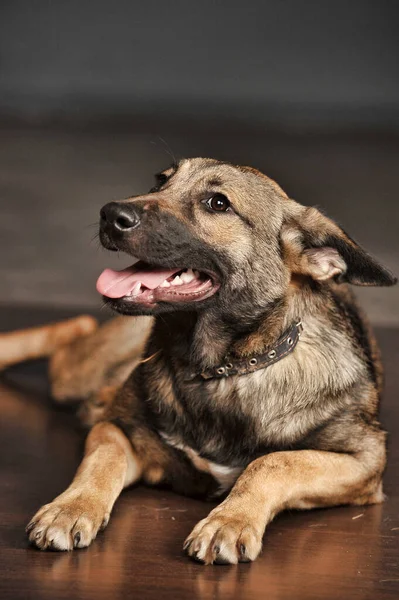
348, 552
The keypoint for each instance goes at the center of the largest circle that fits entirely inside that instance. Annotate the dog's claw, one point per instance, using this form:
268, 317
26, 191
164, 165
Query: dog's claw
243, 556
105, 522
186, 544
30, 526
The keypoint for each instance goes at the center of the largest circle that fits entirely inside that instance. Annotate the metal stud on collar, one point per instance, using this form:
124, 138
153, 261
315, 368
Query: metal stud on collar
284, 346
299, 326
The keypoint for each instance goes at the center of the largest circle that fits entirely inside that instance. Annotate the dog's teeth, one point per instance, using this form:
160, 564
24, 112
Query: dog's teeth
165, 284
136, 290
196, 274
187, 276
177, 281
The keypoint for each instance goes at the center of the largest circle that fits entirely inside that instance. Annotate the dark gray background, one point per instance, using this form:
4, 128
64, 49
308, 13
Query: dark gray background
276, 61
95, 96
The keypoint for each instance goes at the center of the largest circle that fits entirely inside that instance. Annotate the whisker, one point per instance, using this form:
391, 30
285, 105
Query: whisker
96, 240
167, 149
104, 305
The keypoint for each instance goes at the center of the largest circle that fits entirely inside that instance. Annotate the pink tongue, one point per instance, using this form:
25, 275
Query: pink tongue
116, 284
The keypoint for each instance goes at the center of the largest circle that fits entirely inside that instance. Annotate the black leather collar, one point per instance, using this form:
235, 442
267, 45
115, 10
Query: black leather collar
231, 366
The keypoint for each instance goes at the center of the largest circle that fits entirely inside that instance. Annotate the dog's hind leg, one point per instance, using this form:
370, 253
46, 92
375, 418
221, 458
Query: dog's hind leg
92, 367
43, 341
87, 361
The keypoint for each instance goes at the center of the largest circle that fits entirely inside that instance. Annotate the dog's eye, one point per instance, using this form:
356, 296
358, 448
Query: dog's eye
218, 203
160, 180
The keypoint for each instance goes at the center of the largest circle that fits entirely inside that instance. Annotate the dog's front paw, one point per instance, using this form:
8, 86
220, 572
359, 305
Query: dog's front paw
71, 521
224, 537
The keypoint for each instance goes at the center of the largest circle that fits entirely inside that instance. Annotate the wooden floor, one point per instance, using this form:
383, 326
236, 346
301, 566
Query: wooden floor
339, 553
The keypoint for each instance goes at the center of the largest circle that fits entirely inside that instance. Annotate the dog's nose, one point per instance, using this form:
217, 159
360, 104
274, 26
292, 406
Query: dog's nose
122, 217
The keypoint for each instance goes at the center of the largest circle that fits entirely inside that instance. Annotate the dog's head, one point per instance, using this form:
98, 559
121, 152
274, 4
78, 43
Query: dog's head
214, 234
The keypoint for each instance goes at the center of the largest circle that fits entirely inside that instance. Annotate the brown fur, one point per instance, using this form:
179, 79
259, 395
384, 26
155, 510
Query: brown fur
302, 433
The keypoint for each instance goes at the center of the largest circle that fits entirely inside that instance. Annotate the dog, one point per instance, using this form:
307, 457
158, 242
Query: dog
240, 367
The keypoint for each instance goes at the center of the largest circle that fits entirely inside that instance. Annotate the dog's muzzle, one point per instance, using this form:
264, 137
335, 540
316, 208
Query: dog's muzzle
118, 218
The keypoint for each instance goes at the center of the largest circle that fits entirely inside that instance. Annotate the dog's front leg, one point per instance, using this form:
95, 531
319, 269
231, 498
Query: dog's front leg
233, 531
73, 519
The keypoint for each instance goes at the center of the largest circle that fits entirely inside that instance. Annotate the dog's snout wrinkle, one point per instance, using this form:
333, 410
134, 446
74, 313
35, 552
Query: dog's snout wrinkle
119, 217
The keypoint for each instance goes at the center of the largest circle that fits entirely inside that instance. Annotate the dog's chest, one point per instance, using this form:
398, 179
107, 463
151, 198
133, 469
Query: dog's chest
224, 424
220, 430
232, 421
224, 475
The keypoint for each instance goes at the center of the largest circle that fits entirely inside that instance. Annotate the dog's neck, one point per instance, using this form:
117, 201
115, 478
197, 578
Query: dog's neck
211, 337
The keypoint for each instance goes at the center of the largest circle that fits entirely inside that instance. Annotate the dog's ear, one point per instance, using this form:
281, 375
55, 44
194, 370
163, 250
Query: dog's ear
318, 247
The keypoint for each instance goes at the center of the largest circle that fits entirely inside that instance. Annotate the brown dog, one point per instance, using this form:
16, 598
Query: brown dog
255, 373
